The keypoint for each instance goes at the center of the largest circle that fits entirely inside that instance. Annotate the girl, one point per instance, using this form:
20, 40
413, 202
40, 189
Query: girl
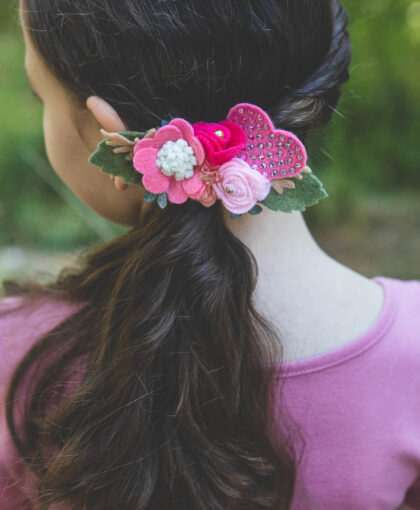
143, 379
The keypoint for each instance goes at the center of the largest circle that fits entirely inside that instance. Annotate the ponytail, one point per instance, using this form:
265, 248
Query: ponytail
173, 410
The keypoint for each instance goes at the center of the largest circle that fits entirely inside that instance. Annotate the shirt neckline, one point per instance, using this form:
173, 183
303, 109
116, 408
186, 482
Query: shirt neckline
328, 359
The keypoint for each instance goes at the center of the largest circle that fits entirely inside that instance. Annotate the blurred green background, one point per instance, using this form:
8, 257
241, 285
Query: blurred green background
368, 158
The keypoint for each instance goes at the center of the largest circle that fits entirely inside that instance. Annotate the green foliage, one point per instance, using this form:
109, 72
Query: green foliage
117, 164
370, 146
308, 191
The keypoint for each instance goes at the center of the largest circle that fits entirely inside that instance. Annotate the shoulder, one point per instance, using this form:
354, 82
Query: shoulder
22, 323
403, 298
400, 329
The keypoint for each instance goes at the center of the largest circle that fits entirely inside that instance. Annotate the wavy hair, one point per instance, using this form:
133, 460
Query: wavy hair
173, 409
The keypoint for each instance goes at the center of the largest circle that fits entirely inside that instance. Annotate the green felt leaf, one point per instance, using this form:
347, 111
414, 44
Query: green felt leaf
255, 210
162, 200
309, 191
117, 164
235, 216
149, 197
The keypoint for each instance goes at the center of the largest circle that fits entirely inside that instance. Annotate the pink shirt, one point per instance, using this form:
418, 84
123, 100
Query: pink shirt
357, 407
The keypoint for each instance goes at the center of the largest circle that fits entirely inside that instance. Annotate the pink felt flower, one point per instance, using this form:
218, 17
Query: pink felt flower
241, 187
221, 141
209, 197
170, 161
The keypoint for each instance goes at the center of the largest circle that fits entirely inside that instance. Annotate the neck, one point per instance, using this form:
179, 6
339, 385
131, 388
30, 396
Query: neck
301, 289
285, 251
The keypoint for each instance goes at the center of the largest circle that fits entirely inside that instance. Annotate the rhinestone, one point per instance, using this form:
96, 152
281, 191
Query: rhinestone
279, 154
279, 144
297, 148
273, 174
288, 161
261, 146
273, 164
270, 155
254, 167
260, 156
244, 119
251, 119
269, 145
251, 127
259, 136
281, 162
219, 133
245, 157
257, 126
250, 111
241, 110
272, 136
283, 172
292, 170
251, 136
251, 147
263, 166
282, 138
260, 117
300, 157
292, 153
290, 140
266, 126
229, 190
298, 165
253, 157
287, 145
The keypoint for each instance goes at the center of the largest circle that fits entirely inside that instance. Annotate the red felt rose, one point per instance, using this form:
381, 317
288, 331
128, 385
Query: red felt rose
221, 141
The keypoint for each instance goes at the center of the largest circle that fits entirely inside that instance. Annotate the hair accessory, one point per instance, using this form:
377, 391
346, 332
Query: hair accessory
243, 161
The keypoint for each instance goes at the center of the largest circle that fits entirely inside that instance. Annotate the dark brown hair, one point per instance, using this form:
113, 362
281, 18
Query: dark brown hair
173, 408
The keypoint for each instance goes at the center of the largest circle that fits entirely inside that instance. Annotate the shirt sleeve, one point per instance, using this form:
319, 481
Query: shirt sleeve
20, 328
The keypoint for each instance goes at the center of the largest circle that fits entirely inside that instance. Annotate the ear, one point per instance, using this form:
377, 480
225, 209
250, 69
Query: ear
109, 119
105, 115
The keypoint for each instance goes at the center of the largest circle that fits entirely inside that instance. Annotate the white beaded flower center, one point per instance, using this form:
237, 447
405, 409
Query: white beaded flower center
177, 159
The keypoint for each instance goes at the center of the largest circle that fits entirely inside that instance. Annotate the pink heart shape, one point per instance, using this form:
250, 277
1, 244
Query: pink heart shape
275, 153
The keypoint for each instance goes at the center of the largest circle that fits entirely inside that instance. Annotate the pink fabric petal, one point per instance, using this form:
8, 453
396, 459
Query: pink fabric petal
194, 186
164, 134
237, 134
220, 158
176, 193
185, 127
198, 150
145, 163
145, 160
208, 131
208, 147
156, 182
187, 132
209, 197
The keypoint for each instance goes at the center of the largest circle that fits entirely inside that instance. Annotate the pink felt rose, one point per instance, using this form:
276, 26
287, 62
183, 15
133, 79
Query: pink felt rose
209, 197
221, 141
170, 161
241, 187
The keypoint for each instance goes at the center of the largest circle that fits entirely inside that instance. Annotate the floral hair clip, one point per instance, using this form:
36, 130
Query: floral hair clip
243, 161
